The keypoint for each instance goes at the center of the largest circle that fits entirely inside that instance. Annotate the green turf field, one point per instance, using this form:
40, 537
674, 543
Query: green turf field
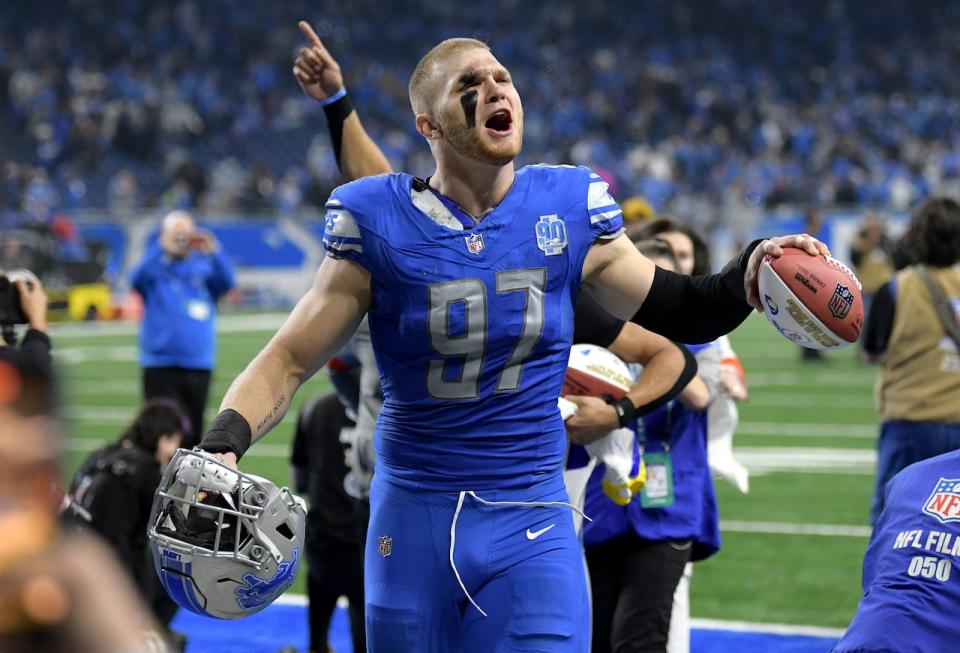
792, 547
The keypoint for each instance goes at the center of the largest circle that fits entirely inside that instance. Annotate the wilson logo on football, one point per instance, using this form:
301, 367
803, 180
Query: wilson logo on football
944, 502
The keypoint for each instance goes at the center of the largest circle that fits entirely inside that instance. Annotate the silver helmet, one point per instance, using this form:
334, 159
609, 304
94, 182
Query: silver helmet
225, 544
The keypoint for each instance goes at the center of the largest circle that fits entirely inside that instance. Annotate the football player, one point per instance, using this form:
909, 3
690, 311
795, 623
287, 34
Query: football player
469, 279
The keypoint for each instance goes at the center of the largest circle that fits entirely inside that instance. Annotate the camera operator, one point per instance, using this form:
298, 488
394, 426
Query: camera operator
60, 590
23, 301
181, 278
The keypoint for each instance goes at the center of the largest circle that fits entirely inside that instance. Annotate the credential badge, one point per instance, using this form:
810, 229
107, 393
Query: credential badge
551, 234
386, 545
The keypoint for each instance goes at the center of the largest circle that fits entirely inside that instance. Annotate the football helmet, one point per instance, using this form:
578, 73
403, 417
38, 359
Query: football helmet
225, 544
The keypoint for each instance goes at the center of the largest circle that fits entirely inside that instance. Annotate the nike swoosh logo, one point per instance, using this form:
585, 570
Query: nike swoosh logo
532, 535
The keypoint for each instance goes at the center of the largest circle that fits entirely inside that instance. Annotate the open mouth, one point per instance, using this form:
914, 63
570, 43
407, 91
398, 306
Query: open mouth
500, 121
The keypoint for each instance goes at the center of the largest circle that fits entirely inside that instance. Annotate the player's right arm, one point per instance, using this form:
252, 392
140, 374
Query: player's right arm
318, 74
319, 326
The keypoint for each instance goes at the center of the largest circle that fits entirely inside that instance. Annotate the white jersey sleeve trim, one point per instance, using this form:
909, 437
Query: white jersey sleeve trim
341, 233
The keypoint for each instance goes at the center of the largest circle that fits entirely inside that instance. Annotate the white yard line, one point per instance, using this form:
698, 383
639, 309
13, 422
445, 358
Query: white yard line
812, 401
801, 377
806, 459
783, 528
123, 415
95, 354
225, 324
261, 450
772, 629
775, 429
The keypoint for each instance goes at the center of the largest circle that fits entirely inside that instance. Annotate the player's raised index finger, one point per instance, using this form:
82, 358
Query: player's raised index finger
308, 32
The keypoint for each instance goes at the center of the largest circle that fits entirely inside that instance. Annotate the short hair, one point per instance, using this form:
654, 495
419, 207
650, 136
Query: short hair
421, 81
933, 235
157, 418
656, 248
174, 216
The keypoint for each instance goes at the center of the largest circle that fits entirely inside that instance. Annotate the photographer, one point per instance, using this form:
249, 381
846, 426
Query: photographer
60, 590
181, 278
115, 487
23, 301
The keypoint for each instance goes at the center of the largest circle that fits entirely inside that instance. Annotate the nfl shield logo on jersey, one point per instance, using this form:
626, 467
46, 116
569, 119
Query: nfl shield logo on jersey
551, 234
841, 302
474, 243
944, 501
386, 545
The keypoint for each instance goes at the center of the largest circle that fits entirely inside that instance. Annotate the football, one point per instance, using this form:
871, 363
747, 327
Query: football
814, 301
596, 372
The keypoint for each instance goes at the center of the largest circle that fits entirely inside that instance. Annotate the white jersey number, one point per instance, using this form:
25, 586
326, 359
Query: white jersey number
930, 567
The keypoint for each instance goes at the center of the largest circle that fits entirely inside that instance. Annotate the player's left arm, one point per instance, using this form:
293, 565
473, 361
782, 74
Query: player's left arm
319, 75
668, 368
682, 308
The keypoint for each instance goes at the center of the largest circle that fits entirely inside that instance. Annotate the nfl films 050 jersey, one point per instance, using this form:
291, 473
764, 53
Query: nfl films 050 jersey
911, 571
471, 324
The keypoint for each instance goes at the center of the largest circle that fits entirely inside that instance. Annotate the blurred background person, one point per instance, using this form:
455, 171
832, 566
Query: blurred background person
335, 520
692, 256
724, 384
913, 334
24, 301
872, 256
115, 485
59, 591
638, 554
181, 278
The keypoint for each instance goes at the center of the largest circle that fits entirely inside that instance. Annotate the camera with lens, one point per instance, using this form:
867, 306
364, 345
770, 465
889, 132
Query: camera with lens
11, 312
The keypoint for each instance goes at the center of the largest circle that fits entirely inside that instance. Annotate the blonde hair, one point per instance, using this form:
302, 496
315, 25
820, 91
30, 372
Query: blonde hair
422, 82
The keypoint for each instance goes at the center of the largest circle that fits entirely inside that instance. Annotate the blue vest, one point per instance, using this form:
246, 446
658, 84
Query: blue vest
693, 515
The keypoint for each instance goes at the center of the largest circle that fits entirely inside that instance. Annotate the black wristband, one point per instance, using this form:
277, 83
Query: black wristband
337, 112
228, 433
626, 411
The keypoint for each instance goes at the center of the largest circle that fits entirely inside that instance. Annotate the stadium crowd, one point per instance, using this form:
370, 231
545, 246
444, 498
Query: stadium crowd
709, 109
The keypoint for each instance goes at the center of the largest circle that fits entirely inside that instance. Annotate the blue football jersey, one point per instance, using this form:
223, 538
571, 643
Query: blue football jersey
471, 326
911, 570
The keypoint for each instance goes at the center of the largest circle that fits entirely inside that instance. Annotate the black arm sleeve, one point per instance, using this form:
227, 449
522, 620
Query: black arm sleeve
879, 325
36, 347
593, 325
697, 309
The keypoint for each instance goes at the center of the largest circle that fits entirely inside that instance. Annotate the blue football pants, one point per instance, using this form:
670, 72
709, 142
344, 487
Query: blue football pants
522, 565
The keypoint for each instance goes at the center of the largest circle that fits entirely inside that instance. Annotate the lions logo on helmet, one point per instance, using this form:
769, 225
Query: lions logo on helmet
225, 544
